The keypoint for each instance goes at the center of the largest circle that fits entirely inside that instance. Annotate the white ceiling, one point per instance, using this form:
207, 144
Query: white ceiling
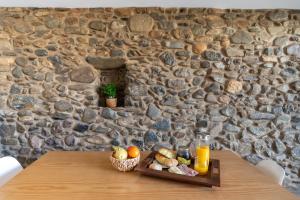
243, 4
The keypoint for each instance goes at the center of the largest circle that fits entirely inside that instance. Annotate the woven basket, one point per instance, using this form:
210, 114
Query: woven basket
124, 165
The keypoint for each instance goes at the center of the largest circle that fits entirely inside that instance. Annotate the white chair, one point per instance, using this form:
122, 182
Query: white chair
272, 169
9, 168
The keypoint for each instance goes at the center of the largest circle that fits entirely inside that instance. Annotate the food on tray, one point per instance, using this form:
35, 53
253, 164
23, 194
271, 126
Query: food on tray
155, 166
184, 153
175, 170
167, 153
183, 161
119, 153
133, 151
166, 161
187, 171
163, 166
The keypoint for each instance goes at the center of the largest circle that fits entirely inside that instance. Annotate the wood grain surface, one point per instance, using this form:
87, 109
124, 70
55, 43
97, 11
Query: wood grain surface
89, 176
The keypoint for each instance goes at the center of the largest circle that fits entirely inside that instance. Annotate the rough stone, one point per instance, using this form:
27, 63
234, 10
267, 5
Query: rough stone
103, 63
97, 139
169, 101
241, 37
296, 85
60, 116
173, 44
81, 128
199, 94
231, 128
36, 142
23, 27
159, 90
245, 149
213, 55
293, 50
15, 89
214, 21
141, 23
295, 152
21, 61
153, 112
63, 106
214, 88
137, 90
283, 119
258, 131
278, 16
17, 72
97, 25
279, 146
199, 47
21, 101
250, 60
89, 115
70, 140
281, 41
176, 84
228, 111
261, 116
150, 138
211, 98
260, 146
168, 58
234, 52
7, 129
10, 141
162, 125
109, 113
295, 119
82, 75
52, 22
41, 52
234, 86
183, 73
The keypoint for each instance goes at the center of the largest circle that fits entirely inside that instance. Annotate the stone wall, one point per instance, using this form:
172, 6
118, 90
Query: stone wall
232, 74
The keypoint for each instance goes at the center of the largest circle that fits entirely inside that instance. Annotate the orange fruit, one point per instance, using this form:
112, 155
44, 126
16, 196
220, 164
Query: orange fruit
133, 151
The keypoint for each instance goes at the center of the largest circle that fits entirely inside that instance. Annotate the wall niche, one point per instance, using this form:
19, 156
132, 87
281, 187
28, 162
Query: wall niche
111, 70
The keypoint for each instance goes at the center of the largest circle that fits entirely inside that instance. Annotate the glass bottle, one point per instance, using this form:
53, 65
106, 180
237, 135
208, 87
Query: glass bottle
202, 154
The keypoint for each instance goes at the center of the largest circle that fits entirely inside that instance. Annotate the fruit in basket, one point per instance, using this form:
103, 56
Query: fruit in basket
119, 153
133, 151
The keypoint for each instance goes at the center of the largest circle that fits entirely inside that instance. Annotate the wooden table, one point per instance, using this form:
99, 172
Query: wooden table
89, 175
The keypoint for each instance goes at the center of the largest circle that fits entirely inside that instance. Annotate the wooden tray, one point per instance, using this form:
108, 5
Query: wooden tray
212, 178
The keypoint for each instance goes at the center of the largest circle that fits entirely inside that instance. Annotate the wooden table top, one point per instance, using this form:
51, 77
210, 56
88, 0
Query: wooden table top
89, 176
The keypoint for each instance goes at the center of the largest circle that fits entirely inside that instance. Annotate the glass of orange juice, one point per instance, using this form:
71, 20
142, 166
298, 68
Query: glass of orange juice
202, 155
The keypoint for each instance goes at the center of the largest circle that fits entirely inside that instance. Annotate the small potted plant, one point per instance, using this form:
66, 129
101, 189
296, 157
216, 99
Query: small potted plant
110, 91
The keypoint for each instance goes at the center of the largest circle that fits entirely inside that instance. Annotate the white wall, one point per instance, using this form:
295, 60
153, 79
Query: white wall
246, 4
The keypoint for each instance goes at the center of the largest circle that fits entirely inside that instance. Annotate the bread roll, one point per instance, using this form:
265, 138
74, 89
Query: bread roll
167, 153
155, 166
166, 161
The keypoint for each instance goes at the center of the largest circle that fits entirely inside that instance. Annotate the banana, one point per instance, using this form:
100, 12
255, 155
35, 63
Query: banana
119, 153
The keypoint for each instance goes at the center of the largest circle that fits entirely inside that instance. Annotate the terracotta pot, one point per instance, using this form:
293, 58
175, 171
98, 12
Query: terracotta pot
111, 103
